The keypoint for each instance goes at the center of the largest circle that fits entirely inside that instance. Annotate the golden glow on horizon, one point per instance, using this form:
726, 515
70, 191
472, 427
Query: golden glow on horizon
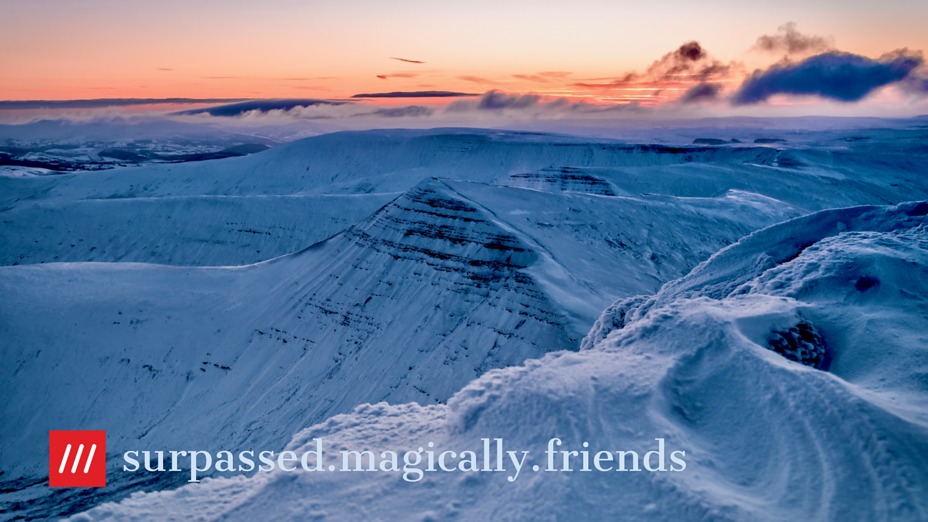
303, 49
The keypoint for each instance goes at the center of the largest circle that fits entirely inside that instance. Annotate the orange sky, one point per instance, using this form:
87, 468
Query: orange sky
290, 48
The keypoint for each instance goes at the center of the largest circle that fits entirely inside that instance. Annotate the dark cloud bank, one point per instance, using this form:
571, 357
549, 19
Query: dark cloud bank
701, 93
237, 109
833, 75
100, 103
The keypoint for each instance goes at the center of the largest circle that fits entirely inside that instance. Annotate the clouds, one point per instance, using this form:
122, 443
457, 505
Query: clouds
833, 75
677, 82
790, 41
525, 105
682, 69
916, 84
410, 111
689, 75
689, 52
543, 77
286, 112
701, 93
490, 108
689, 61
407, 60
828, 73
496, 100
475, 79
504, 106
414, 94
239, 109
493, 105
396, 75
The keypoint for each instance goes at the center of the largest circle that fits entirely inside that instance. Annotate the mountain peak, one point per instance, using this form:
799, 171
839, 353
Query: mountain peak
433, 223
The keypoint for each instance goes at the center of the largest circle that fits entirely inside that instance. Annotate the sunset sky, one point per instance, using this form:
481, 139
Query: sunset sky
600, 51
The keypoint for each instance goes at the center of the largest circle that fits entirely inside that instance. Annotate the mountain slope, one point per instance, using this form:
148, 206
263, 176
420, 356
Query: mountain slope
440, 285
408, 305
190, 230
766, 438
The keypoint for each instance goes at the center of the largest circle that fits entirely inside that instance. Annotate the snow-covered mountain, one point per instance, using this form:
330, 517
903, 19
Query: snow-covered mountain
235, 302
431, 291
244, 210
700, 365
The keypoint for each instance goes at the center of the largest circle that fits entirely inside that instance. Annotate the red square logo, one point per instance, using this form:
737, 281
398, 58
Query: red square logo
77, 459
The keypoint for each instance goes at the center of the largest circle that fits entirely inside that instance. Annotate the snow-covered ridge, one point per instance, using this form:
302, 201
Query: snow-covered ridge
727, 272
433, 215
563, 179
245, 210
766, 438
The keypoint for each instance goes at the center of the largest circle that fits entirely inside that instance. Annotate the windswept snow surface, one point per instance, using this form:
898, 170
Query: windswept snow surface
766, 438
232, 303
